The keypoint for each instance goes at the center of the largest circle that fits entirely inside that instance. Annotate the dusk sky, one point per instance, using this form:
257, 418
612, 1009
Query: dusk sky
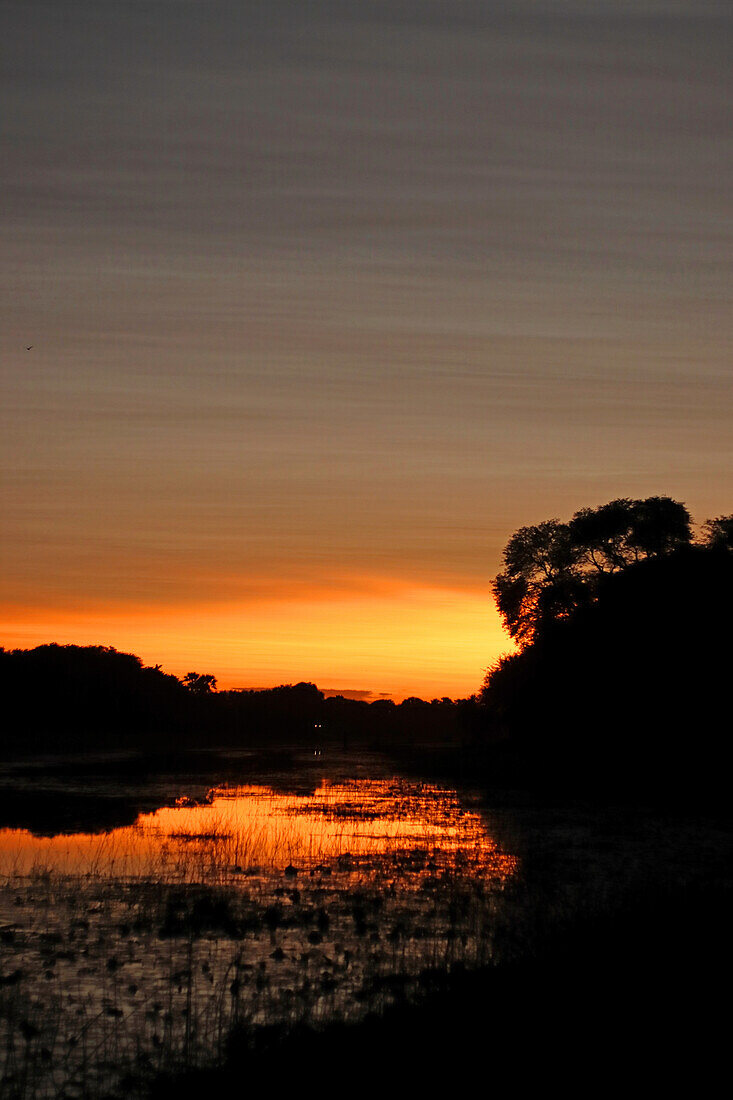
326, 299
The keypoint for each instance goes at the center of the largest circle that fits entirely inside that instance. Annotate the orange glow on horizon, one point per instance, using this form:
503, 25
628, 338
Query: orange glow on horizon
256, 826
378, 634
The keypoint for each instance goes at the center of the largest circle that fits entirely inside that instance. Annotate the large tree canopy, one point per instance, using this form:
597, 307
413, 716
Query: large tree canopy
631, 693
552, 568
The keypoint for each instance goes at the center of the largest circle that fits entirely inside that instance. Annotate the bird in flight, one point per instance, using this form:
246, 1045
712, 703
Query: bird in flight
29, 347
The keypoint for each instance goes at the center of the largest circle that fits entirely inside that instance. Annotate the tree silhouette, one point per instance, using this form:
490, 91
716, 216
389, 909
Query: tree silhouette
552, 568
630, 692
718, 533
198, 683
539, 572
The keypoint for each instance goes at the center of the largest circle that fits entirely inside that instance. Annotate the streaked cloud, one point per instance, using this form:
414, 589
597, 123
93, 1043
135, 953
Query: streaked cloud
327, 291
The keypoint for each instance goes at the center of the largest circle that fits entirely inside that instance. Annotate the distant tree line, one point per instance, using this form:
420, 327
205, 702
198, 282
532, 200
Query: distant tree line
95, 698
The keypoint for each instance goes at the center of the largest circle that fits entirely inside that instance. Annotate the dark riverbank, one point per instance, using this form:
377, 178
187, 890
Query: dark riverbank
94, 699
614, 999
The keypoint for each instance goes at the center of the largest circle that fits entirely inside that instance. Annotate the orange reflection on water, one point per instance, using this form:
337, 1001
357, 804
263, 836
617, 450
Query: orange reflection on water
254, 829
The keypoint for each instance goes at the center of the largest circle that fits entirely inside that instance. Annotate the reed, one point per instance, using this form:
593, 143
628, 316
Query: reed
126, 965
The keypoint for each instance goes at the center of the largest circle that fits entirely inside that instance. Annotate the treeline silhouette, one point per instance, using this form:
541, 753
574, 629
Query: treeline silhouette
622, 681
620, 684
94, 698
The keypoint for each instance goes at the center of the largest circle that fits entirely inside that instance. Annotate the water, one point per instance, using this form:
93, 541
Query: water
256, 828
139, 948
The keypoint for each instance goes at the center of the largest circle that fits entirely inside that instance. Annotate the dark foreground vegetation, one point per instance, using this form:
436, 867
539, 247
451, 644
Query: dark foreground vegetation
624, 999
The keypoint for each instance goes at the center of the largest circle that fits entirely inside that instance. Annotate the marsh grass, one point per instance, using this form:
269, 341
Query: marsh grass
128, 968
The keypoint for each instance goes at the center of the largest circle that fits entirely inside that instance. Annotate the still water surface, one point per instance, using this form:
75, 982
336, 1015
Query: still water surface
256, 829
138, 949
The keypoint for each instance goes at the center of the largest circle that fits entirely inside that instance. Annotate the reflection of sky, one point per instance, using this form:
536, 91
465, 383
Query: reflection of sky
256, 827
332, 291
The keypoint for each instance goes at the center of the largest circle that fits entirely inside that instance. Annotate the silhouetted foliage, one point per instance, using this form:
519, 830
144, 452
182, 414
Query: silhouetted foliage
617, 989
199, 684
552, 568
86, 696
628, 690
94, 698
718, 533
538, 562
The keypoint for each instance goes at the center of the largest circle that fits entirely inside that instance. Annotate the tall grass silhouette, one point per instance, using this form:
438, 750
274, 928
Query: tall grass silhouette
141, 950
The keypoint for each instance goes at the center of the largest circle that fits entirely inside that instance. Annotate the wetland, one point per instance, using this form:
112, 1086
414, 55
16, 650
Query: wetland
296, 890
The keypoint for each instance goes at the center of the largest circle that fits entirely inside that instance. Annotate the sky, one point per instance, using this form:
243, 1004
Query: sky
326, 299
